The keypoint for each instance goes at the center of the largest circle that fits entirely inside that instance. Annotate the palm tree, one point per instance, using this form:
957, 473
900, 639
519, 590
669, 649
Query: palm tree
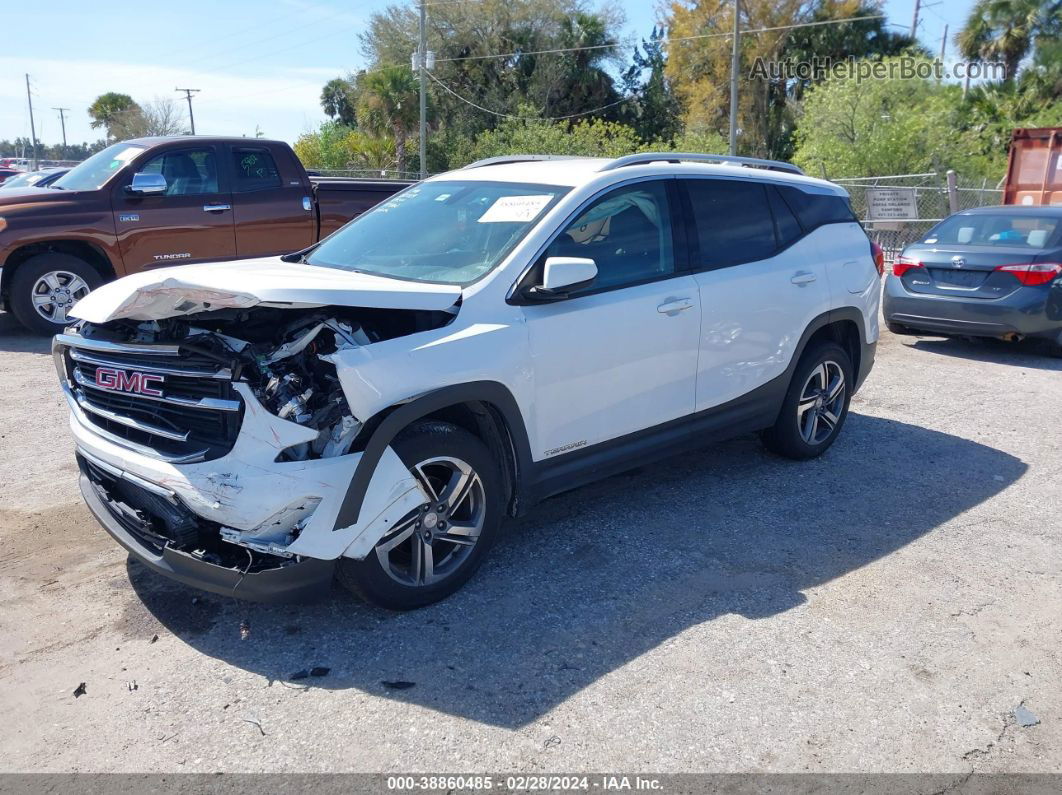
389, 103
1006, 30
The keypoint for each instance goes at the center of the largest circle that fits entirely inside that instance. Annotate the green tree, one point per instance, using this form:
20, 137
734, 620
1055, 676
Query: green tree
339, 100
1007, 30
109, 108
485, 55
851, 128
699, 68
389, 104
653, 110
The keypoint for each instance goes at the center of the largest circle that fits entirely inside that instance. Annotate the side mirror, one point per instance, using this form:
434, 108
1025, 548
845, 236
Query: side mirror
147, 184
561, 275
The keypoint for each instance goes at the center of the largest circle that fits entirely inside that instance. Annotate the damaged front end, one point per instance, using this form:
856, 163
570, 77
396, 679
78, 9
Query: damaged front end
218, 446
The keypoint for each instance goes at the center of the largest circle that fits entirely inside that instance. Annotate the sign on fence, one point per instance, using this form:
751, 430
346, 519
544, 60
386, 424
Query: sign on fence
891, 204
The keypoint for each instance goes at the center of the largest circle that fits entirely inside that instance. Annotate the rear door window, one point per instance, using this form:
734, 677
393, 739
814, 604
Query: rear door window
732, 220
255, 169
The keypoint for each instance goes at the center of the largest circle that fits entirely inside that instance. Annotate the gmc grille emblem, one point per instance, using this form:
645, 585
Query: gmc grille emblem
126, 381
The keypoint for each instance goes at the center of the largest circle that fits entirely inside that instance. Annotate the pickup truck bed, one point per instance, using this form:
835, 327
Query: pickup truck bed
339, 199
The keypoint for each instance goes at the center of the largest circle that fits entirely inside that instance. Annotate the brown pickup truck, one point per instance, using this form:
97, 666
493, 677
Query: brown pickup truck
153, 202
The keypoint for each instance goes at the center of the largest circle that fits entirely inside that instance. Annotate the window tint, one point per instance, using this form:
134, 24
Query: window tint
254, 170
732, 220
626, 232
816, 209
187, 172
984, 229
785, 222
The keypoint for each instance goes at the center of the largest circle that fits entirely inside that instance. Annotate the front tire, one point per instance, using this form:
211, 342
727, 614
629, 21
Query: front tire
815, 405
432, 551
45, 287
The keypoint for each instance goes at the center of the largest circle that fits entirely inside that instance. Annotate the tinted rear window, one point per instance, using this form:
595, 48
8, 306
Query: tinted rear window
990, 229
732, 220
816, 209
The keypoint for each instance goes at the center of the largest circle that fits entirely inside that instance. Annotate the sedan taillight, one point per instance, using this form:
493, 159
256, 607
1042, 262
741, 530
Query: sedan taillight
904, 264
1033, 274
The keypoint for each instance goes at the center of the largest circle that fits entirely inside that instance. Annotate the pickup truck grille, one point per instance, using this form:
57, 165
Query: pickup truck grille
151, 398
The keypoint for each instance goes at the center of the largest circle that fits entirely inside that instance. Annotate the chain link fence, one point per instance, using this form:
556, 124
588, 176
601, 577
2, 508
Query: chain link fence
935, 197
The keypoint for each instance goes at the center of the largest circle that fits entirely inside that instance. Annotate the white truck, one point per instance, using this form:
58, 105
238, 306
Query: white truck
371, 408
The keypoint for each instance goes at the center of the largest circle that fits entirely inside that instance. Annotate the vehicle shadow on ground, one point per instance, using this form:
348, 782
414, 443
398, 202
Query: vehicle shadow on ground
1033, 354
595, 578
15, 339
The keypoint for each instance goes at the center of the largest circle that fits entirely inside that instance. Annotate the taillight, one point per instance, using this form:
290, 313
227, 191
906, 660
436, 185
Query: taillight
1033, 274
904, 264
879, 257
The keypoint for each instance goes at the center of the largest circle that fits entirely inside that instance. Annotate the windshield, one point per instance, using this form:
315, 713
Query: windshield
92, 173
449, 232
987, 229
21, 181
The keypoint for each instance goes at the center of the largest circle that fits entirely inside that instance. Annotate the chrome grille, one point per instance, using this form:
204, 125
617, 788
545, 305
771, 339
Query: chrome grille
152, 398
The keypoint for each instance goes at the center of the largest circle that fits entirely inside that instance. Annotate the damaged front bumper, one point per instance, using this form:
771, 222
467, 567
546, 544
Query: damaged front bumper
273, 580
266, 529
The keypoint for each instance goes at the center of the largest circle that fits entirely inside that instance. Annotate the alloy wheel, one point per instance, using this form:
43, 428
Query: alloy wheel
429, 544
56, 292
821, 403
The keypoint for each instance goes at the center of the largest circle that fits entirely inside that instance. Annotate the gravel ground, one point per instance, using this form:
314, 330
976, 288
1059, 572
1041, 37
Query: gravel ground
885, 608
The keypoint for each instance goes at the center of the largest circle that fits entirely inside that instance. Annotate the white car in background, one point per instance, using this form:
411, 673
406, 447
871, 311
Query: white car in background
372, 407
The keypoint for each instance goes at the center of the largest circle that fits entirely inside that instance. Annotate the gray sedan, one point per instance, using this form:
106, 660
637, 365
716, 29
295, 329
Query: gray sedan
988, 272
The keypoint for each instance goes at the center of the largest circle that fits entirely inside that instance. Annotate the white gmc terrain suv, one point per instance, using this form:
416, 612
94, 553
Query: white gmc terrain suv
372, 407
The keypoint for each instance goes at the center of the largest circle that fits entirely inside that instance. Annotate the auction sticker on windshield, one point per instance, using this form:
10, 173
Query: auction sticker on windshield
514, 209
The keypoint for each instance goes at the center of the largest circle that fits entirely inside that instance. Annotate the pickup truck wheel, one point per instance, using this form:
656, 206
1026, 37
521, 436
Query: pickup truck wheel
45, 288
815, 405
433, 550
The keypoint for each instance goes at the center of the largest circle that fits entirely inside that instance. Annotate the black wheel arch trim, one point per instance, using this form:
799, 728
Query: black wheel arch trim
402, 416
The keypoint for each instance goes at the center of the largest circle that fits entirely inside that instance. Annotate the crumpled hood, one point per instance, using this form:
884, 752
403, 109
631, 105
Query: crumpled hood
184, 290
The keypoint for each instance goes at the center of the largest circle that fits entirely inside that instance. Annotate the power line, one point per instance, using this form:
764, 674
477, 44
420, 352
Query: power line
669, 40
450, 91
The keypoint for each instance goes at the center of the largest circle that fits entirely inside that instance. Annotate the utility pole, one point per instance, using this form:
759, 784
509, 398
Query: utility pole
188, 95
62, 122
943, 43
914, 20
735, 65
422, 66
33, 128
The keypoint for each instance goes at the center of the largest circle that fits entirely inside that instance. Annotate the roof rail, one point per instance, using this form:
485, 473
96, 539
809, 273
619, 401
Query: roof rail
679, 157
503, 159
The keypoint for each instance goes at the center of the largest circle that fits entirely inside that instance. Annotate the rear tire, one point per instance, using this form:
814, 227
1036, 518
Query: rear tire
45, 287
815, 405
428, 555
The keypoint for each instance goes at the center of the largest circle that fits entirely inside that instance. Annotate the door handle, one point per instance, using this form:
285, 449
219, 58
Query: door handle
803, 277
216, 208
672, 306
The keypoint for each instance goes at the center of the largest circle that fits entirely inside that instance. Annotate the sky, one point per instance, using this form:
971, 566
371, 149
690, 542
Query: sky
258, 64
